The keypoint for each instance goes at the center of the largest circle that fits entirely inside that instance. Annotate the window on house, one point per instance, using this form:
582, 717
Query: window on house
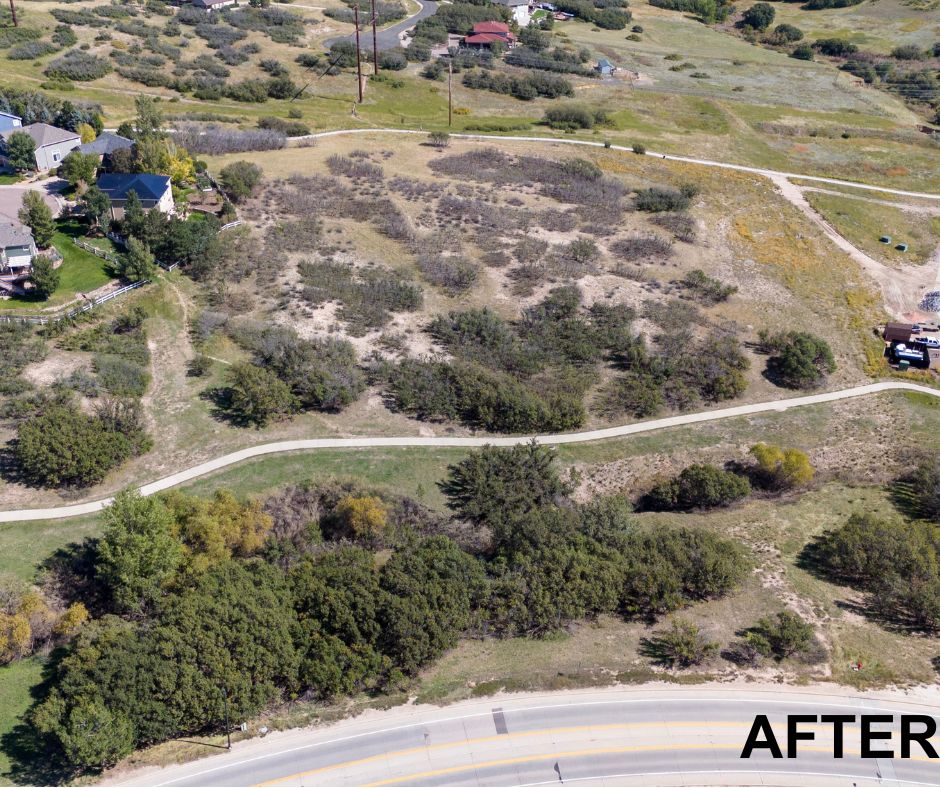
56, 156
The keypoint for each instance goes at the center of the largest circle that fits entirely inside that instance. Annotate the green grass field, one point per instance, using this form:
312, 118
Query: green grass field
863, 222
874, 26
80, 272
16, 682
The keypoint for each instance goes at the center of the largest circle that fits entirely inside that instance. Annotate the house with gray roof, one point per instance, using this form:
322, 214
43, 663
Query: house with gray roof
604, 67
105, 144
17, 250
52, 144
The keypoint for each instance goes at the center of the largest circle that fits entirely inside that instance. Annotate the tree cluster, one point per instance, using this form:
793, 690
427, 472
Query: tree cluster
498, 378
896, 563
198, 599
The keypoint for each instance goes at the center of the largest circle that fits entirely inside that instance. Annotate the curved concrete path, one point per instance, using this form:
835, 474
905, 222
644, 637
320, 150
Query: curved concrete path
668, 156
778, 406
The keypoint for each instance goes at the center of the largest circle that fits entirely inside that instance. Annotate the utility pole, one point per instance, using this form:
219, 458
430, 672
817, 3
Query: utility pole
375, 41
450, 95
228, 728
358, 54
13, 13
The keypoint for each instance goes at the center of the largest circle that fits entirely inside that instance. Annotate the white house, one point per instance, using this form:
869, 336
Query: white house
213, 5
521, 11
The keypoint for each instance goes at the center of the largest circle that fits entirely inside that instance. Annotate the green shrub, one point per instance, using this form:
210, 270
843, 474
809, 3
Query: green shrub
257, 396
781, 636
798, 359
698, 486
657, 200
78, 66
64, 447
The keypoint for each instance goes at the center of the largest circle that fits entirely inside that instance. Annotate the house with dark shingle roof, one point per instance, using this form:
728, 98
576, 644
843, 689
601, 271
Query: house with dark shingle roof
105, 144
52, 143
153, 191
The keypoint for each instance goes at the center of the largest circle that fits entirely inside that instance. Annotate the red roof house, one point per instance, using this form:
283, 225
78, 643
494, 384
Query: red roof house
500, 28
485, 34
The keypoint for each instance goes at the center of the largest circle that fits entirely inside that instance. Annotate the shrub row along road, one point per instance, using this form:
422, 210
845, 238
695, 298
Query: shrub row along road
617, 736
311, 444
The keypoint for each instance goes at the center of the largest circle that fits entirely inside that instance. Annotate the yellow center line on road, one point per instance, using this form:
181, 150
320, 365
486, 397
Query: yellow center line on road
411, 779
502, 738
545, 732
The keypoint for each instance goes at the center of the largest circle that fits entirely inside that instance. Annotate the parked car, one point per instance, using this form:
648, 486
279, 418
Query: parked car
928, 341
915, 329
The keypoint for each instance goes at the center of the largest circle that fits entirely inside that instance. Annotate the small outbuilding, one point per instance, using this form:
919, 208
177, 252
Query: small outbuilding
213, 5
604, 67
898, 332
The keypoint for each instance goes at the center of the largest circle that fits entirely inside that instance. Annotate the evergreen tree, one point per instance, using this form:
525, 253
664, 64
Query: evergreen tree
36, 215
137, 264
21, 151
44, 276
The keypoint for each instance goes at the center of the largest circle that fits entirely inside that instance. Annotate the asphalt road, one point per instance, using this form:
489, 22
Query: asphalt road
620, 736
73, 510
387, 38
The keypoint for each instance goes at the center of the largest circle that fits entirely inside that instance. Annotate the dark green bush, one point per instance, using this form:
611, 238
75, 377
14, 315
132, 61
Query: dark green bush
699, 486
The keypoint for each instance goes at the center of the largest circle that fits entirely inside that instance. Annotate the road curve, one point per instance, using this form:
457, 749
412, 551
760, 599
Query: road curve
626, 148
389, 37
310, 444
627, 735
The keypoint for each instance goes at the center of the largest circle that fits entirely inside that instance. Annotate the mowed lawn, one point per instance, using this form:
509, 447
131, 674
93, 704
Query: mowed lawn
16, 681
80, 272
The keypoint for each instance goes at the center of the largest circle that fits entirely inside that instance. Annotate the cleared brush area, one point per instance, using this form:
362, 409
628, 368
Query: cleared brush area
864, 222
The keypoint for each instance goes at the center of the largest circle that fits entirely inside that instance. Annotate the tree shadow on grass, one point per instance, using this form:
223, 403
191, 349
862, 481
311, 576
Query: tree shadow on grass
34, 759
10, 470
657, 650
220, 397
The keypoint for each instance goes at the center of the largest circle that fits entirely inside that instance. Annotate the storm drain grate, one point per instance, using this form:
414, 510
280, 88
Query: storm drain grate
499, 719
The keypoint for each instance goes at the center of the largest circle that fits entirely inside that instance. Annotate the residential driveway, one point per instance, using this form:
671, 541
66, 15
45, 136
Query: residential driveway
390, 37
11, 197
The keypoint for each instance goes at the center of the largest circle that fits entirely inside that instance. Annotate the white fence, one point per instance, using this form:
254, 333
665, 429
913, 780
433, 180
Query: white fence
95, 250
42, 320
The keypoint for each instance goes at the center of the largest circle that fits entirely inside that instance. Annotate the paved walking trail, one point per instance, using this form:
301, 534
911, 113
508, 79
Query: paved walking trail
779, 406
667, 156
